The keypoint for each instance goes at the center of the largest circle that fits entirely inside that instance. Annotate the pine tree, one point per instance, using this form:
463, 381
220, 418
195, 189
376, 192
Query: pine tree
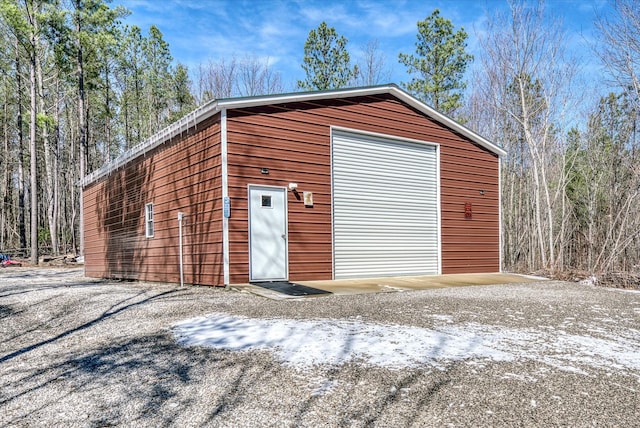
326, 60
157, 77
439, 63
182, 101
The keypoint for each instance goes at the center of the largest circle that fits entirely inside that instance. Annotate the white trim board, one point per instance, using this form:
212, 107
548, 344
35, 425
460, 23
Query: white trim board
225, 194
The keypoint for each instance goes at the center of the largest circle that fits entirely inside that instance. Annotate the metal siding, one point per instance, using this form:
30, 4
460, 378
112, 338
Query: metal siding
293, 140
294, 151
385, 207
181, 175
469, 245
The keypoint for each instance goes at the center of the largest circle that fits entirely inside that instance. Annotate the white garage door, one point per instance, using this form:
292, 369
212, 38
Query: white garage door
385, 206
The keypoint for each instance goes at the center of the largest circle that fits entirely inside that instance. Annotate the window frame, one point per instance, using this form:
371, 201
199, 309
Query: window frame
262, 200
149, 226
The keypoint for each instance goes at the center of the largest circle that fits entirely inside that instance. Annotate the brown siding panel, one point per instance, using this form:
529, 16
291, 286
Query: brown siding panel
293, 151
182, 175
293, 142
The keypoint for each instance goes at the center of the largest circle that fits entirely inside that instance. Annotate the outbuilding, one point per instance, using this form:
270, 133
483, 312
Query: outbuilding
358, 182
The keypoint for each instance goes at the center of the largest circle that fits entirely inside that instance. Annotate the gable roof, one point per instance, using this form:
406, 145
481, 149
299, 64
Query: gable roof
211, 108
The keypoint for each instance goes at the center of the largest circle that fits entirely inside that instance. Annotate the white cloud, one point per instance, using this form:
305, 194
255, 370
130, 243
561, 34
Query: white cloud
199, 30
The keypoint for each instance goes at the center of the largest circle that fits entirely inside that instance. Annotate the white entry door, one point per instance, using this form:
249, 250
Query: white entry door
267, 233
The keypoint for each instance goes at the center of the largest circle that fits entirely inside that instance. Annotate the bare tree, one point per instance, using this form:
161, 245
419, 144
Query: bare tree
247, 77
372, 66
32, 10
22, 196
527, 81
604, 188
619, 47
256, 77
216, 79
82, 121
50, 165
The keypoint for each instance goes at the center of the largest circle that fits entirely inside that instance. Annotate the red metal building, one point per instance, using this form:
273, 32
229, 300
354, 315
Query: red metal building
358, 182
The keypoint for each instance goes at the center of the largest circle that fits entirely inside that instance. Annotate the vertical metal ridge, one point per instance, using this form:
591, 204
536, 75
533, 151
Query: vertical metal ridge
438, 210
225, 194
500, 263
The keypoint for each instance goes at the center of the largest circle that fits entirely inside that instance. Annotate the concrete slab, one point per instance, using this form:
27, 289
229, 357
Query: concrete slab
391, 284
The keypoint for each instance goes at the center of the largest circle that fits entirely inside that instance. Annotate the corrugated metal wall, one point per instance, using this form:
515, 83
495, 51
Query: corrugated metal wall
293, 142
176, 176
292, 151
469, 174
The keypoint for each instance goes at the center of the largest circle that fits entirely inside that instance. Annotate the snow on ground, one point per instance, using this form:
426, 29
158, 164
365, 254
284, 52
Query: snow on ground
38, 275
304, 343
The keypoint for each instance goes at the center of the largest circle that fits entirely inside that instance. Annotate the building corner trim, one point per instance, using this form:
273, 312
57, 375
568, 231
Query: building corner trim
225, 194
500, 225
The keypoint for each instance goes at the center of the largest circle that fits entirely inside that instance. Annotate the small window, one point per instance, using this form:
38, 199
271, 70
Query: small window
148, 215
266, 201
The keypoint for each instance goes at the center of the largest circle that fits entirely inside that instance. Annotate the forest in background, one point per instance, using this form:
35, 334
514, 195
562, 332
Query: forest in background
78, 87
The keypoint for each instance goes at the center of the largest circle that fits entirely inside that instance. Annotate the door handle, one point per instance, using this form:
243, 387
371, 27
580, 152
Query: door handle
284, 236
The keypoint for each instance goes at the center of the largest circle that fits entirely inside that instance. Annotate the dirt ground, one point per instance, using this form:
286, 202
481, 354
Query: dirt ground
83, 352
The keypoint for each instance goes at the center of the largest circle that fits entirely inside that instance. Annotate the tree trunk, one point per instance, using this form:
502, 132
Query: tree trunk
56, 167
22, 196
50, 172
33, 149
6, 178
82, 127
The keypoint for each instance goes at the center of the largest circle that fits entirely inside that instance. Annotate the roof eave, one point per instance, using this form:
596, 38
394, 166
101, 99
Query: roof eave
238, 103
248, 102
214, 106
193, 118
447, 121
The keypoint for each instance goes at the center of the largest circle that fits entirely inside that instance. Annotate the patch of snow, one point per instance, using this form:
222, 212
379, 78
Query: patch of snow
520, 377
538, 278
323, 387
305, 343
444, 318
592, 280
390, 288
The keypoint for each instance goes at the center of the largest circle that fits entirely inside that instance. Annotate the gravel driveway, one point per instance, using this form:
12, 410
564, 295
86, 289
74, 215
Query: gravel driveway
82, 352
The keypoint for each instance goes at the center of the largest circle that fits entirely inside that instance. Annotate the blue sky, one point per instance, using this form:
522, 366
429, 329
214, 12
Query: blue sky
202, 30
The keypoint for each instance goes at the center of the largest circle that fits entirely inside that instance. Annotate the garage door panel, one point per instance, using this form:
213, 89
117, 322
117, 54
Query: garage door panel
374, 256
385, 202
378, 221
383, 193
